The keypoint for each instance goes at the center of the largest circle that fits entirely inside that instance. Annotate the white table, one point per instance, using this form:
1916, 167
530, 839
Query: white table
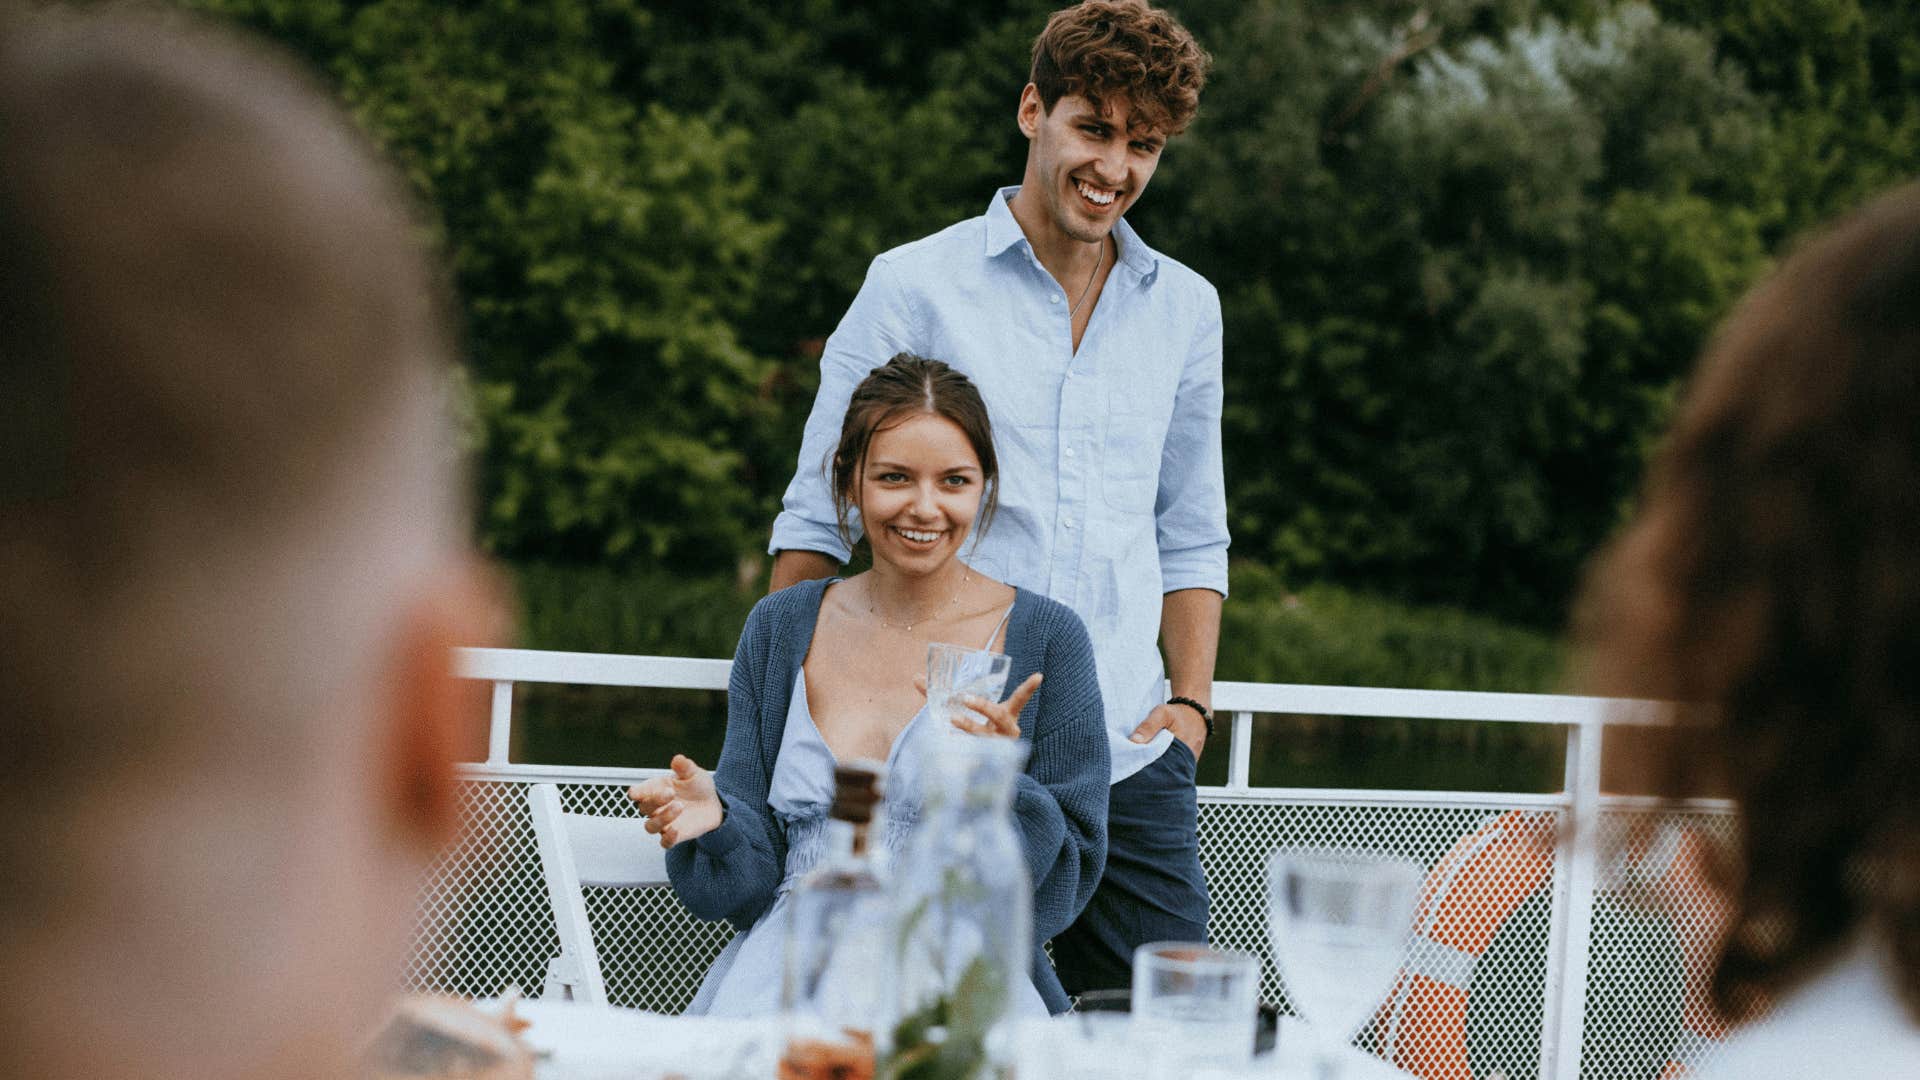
597, 1042
588, 1042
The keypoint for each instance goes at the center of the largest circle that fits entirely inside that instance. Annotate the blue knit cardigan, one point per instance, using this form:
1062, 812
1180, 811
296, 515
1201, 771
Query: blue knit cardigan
1060, 802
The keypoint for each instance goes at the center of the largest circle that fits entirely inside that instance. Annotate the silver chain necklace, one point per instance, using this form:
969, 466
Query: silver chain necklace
871, 610
1088, 291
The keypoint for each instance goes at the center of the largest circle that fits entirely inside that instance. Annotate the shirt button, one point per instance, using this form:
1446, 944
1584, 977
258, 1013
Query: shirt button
1068, 522
1069, 451
1054, 299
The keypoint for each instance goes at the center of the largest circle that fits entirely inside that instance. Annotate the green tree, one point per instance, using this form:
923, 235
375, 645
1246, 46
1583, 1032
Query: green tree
1463, 267
873, 125
1842, 78
605, 252
1466, 248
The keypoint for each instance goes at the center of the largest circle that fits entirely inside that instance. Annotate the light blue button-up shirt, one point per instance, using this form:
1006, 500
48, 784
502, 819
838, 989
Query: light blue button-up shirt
1111, 491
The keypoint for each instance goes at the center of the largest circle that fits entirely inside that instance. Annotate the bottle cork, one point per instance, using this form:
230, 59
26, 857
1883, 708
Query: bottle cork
856, 791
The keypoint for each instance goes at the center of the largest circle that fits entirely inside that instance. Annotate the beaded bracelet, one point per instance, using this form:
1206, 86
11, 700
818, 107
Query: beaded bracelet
1205, 716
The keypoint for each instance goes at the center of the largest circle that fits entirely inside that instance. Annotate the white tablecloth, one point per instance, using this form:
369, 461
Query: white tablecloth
589, 1042
586, 1042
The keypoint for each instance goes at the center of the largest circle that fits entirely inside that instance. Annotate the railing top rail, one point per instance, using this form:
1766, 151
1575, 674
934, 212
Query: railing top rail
594, 669
611, 774
689, 673
1301, 698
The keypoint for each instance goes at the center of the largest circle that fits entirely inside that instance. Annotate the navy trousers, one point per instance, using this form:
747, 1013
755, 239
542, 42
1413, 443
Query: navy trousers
1153, 889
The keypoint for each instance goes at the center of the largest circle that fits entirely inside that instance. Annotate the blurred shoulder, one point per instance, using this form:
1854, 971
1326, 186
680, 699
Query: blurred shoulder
1848, 1019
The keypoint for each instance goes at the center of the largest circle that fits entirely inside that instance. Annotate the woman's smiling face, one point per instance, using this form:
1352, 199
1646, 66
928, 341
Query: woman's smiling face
919, 492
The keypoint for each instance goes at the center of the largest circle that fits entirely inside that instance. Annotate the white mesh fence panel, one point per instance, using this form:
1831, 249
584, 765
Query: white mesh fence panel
1501, 1029
1654, 920
1473, 992
486, 923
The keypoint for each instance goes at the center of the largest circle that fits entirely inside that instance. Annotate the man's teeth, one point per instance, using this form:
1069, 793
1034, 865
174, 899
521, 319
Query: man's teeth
1095, 194
918, 537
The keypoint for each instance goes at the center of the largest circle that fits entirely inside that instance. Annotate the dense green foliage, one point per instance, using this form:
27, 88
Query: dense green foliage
1467, 248
1454, 348
1326, 634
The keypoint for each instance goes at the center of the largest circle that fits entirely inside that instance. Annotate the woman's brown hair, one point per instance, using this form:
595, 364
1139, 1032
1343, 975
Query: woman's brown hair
1771, 585
1104, 49
904, 386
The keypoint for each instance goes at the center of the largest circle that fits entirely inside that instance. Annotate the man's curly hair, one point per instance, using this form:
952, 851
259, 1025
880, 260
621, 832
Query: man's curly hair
1108, 49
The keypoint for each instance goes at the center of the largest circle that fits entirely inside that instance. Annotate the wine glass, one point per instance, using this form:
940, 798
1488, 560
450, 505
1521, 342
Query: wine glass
954, 672
1340, 922
1194, 1007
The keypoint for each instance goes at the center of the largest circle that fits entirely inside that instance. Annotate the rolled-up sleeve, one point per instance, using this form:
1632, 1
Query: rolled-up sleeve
1190, 510
877, 325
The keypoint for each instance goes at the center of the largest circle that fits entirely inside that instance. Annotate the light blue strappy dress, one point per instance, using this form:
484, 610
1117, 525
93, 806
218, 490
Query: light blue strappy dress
745, 978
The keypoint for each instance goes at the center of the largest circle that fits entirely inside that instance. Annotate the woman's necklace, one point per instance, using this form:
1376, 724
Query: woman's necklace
871, 610
1091, 278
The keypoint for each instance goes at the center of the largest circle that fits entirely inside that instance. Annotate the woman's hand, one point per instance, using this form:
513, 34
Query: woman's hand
1001, 719
681, 806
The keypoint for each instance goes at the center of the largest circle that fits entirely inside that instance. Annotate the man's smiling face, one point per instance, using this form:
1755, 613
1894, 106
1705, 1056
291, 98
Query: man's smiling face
1087, 166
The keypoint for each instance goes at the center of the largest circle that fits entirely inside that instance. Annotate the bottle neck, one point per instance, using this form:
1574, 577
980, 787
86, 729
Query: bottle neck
844, 839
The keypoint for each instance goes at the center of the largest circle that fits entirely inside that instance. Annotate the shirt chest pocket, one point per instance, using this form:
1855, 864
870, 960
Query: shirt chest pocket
1136, 432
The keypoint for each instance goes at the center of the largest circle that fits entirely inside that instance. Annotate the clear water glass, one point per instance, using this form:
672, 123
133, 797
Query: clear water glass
954, 672
1080, 1046
1340, 922
1194, 1006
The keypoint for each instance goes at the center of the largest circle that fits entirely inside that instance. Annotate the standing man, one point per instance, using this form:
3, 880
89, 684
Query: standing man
1099, 359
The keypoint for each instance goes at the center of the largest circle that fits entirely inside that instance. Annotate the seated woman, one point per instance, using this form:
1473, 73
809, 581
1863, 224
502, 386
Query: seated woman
825, 671
1771, 584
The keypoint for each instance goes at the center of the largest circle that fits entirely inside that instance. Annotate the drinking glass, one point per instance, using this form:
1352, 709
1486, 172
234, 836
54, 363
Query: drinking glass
1197, 1004
1340, 923
1080, 1046
955, 671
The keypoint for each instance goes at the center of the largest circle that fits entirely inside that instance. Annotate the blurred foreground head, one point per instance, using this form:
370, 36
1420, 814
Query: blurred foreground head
231, 559
1771, 583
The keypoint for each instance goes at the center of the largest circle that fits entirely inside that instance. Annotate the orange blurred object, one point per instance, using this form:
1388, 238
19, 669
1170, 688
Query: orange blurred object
817, 1059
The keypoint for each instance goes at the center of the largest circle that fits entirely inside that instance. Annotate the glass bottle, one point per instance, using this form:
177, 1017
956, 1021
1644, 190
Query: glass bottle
963, 919
832, 987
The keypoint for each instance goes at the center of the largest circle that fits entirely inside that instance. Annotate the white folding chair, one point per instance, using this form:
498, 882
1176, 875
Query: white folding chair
577, 850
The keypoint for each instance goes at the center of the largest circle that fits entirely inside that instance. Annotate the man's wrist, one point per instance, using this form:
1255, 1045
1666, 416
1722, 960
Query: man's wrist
1206, 714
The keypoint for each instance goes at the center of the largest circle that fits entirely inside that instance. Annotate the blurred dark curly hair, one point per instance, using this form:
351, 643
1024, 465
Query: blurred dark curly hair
1107, 49
1771, 584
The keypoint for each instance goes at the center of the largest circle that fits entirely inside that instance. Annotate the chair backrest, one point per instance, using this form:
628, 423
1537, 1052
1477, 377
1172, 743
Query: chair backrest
577, 850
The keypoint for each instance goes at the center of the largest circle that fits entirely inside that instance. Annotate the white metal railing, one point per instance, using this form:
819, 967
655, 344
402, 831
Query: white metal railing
1578, 807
